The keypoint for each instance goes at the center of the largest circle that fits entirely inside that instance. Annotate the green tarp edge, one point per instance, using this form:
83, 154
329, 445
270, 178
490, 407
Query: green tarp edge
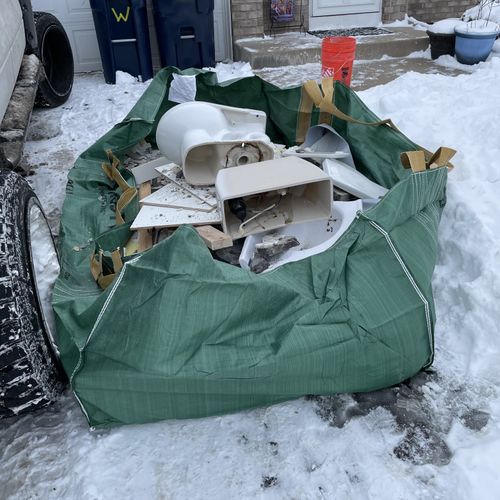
180, 335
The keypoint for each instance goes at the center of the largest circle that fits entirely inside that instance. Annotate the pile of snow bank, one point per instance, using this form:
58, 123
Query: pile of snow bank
462, 113
123, 78
482, 11
479, 26
446, 26
232, 71
407, 21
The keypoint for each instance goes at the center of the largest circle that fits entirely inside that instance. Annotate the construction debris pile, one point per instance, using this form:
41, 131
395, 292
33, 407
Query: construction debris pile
180, 333
219, 172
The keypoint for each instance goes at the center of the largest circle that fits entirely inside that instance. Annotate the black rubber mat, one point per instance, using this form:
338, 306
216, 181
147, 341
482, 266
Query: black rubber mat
350, 32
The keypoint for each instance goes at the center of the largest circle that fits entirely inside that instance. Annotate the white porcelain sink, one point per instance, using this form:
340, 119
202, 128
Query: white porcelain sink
314, 237
204, 138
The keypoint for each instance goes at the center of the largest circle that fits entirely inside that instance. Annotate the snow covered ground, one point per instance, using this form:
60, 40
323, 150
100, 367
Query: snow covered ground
436, 437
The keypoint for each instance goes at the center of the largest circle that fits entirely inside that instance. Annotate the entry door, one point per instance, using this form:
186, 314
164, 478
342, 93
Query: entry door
344, 7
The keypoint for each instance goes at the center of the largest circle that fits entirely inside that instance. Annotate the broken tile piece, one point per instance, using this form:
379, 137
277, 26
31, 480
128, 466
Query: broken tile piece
149, 217
172, 195
174, 173
147, 171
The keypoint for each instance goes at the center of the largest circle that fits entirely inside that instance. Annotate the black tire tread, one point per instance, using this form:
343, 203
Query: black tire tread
29, 375
46, 97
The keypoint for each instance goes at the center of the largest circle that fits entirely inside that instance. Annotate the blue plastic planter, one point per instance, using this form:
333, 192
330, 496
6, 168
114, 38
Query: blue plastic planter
471, 48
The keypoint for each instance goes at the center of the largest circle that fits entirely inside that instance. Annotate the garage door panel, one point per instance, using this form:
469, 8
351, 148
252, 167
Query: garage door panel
49, 6
80, 7
67, 10
85, 49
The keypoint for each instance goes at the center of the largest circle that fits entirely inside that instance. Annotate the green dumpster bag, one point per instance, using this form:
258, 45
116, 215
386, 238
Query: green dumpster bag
178, 334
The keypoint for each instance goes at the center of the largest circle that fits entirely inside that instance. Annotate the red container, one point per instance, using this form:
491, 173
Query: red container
337, 57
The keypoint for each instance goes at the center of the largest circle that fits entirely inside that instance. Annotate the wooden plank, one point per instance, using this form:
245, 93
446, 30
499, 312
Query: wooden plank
214, 239
145, 240
144, 190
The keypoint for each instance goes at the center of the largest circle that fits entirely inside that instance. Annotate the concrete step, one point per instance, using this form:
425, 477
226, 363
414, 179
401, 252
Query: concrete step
299, 48
366, 74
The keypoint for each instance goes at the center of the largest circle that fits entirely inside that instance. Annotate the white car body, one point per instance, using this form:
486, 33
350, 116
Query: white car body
12, 45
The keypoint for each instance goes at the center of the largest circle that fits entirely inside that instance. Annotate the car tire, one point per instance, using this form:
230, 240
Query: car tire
31, 375
54, 52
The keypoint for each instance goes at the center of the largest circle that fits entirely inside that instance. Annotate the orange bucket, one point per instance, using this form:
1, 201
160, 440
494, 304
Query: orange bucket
337, 57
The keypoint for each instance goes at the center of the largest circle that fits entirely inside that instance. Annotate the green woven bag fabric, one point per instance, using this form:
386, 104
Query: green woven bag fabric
179, 335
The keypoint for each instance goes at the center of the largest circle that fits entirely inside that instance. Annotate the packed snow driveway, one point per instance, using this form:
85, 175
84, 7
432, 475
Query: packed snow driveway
437, 436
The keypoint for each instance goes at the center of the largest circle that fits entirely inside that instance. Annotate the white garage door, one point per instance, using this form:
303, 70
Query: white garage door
76, 17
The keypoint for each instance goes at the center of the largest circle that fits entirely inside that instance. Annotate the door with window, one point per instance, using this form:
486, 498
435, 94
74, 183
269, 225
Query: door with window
344, 7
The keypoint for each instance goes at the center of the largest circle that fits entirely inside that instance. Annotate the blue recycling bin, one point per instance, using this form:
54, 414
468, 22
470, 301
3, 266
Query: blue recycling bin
123, 37
185, 32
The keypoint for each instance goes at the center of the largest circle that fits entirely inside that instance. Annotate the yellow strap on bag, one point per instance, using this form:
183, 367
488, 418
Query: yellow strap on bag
129, 192
303, 116
420, 161
441, 158
327, 87
97, 270
414, 160
323, 99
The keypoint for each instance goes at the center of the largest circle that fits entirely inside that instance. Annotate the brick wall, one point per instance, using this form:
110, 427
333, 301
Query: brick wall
393, 10
284, 27
247, 18
424, 10
433, 10
253, 18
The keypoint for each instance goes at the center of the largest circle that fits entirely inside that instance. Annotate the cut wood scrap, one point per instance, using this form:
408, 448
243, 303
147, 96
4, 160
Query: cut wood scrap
132, 245
214, 239
145, 240
172, 195
147, 171
144, 191
150, 217
140, 241
174, 173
